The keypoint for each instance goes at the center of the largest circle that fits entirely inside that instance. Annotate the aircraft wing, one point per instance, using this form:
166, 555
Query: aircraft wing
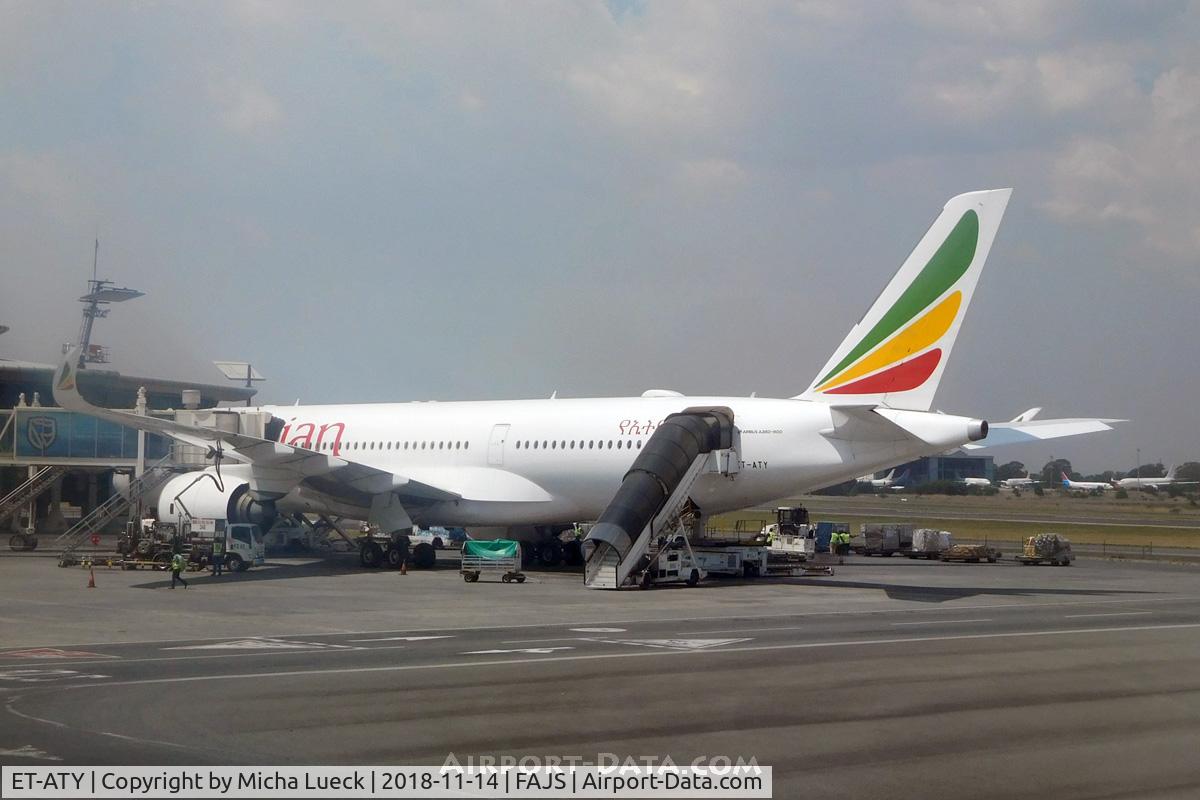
276, 468
1002, 433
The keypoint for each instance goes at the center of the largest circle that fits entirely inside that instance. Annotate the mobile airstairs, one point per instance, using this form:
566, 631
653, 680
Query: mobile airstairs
655, 493
19, 497
120, 503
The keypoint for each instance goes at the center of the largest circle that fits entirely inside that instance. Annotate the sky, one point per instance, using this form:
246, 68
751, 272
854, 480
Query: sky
403, 201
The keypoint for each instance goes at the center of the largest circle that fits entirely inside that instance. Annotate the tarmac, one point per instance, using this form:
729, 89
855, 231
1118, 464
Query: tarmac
890, 678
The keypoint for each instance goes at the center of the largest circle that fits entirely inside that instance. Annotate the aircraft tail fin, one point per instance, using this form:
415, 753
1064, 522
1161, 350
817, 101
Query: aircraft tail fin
1171, 472
896, 354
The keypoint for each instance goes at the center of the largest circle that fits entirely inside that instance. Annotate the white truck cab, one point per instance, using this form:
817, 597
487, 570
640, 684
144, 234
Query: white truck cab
243, 547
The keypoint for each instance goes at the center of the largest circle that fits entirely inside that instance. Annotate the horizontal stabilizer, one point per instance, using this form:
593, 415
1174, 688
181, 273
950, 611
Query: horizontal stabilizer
1002, 433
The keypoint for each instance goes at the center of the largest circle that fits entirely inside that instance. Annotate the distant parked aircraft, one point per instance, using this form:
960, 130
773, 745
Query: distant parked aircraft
1084, 486
1152, 484
1028, 482
888, 481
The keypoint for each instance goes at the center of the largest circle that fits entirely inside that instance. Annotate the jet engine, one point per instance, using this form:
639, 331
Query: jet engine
202, 494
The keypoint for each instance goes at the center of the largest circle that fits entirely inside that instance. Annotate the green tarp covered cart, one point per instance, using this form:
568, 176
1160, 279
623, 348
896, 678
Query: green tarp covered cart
500, 557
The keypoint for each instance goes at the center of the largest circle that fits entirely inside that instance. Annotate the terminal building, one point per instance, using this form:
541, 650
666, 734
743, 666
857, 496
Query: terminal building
948, 467
56, 464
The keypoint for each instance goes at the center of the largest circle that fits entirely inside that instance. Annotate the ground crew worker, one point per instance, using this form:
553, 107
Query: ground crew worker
841, 541
218, 556
176, 568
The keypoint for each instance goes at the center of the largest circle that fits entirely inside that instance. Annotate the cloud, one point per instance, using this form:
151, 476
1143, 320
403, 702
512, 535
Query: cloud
451, 186
1146, 175
245, 107
45, 182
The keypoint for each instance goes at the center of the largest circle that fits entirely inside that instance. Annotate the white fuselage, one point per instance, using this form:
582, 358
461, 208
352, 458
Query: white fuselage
1144, 483
1085, 486
533, 462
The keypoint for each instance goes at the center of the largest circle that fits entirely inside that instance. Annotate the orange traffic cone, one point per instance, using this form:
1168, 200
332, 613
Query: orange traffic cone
91, 578
404, 567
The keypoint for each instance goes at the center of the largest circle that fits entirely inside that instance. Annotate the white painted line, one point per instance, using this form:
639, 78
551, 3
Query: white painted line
943, 621
29, 751
599, 630
402, 639
540, 650
648, 653
1057, 603
678, 644
258, 643
555, 639
1111, 614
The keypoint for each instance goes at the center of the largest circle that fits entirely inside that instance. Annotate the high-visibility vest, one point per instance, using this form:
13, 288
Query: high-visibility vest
177, 562
218, 547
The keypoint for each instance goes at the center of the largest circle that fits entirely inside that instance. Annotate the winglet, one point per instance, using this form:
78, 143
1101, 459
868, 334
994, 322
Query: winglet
1027, 416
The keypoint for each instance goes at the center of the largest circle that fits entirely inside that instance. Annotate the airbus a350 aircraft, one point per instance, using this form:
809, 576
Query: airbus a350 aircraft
536, 466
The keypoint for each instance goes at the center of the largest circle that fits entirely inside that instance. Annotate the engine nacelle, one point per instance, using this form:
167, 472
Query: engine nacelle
197, 494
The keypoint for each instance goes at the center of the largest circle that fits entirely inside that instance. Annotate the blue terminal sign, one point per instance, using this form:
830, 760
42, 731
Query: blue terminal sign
54, 433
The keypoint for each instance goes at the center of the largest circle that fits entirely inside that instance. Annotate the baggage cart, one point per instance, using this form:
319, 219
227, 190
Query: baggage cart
497, 557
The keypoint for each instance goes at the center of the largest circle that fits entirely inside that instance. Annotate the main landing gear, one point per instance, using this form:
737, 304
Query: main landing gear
376, 551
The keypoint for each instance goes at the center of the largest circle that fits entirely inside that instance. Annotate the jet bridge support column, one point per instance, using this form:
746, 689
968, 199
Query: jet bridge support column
653, 492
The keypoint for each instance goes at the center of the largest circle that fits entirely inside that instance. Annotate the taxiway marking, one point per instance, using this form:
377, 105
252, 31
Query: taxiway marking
402, 639
650, 653
46, 675
259, 643
1048, 602
678, 644
52, 652
29, 751
1111, 614
538, 650
943, 621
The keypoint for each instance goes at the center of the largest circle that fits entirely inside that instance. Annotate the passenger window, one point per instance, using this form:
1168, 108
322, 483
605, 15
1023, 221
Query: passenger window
639, 444
591, 444
422, 445
545, 444
554, 445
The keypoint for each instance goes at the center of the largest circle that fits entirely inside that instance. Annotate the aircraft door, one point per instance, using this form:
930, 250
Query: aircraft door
496, 445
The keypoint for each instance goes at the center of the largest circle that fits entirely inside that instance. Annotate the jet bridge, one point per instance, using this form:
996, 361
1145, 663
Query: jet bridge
656, 490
